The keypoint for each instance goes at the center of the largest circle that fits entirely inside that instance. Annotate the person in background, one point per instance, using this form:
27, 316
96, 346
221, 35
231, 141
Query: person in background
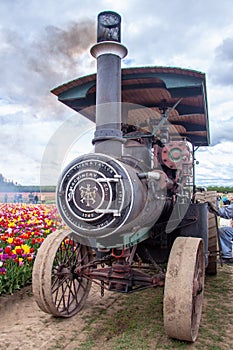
225, 200
36, 199
225, 232
30, 198
6, 198
42, 198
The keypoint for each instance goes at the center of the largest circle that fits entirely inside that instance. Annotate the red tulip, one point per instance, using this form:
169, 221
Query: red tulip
8, 249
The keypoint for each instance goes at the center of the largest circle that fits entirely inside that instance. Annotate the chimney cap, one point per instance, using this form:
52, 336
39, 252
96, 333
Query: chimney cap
109, 26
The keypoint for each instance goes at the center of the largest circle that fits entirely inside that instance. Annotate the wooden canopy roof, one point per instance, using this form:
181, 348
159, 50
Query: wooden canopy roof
153, 88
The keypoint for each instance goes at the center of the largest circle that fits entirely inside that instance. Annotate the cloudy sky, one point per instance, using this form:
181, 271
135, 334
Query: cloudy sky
45, 43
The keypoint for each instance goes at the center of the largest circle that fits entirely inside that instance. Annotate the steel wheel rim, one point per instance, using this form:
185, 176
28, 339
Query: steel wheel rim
184, 287
58, 287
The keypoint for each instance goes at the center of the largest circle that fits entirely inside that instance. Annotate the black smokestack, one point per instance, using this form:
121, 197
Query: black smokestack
108, 52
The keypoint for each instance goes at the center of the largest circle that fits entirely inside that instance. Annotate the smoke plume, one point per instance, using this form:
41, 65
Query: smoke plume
44, 60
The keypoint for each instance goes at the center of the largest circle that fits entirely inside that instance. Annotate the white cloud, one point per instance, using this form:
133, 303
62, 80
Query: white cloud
42, 45
215, 164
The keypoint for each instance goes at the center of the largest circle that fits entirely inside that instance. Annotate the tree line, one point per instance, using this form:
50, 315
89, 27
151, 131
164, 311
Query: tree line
10, 186
20, 188
220, 189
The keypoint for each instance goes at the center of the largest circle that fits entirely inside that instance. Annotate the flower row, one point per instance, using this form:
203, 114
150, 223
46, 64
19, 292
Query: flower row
23, 227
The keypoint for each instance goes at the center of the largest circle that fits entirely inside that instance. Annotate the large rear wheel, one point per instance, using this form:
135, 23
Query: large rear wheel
57, 286
184, 286
211, 268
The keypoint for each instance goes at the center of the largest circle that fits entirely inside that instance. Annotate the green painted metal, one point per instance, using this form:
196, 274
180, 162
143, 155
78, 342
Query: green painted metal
77, 92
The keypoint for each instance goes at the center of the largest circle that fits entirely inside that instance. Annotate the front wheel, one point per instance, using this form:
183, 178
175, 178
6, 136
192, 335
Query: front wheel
57, 287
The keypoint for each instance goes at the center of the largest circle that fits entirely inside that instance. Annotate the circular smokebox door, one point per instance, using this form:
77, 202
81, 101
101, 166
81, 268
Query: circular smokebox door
95, 195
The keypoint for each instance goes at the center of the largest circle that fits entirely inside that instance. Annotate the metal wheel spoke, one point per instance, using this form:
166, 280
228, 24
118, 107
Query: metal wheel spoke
68, 251
83, 259
63, 294
81, 286
76, 253
63, 288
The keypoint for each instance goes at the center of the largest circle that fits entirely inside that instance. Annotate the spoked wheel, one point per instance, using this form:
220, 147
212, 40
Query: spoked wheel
57, 286
184, 287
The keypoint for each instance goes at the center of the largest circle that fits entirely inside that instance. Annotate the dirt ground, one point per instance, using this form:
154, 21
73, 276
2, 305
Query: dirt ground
24, 326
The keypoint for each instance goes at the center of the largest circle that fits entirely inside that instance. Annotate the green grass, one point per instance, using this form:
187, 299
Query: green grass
135, 321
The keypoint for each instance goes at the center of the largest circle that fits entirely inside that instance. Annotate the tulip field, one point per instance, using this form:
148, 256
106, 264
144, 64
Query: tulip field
23, 227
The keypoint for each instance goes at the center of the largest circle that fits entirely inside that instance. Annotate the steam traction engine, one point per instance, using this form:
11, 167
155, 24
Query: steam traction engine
130, 204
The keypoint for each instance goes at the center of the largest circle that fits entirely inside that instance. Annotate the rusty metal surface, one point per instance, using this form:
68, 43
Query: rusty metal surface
123, 278
150, 87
